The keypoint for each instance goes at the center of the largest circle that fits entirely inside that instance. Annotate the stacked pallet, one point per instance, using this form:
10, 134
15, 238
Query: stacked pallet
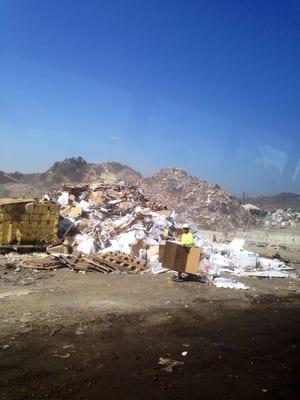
26, 222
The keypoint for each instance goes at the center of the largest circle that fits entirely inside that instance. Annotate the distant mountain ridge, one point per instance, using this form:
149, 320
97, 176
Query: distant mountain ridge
279, 201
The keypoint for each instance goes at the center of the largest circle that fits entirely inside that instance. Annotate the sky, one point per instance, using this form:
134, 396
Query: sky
212, 87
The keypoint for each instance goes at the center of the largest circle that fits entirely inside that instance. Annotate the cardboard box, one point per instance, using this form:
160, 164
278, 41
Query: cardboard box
136, 247
181, 258
161, 251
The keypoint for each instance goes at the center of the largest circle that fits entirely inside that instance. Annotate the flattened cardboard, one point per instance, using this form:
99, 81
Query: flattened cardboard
181, 258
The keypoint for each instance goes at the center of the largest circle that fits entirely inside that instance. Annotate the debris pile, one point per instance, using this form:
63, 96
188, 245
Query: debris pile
112, 227
283, 219
109, 217
113, 262
205, 204
233, 259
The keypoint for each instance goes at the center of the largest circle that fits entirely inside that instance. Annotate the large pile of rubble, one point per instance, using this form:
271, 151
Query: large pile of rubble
115, 228
283, 219
205, 204
109, 217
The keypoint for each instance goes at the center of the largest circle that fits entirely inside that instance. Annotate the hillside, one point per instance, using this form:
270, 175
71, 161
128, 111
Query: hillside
195, 200
279, 201
72, 171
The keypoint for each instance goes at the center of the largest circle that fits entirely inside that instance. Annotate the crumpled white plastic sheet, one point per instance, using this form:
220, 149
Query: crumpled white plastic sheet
219, 261
63, 199
86, 244
237, 261
207, 247
122, 243
123, 221
156, 267
266, 274
274, 264
85, 205
227, 283
243, 258
237, 244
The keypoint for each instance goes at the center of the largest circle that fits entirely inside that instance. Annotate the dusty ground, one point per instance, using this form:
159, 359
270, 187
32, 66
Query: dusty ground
65, 335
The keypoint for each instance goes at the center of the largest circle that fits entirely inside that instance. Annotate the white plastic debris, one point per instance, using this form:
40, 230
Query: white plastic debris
122, 243
273, 264
266, 274
85, 205
207, 247
139, 234
237, 244
245, 259
86, 244
63, 199
218, 261
227, 283
156, 267
168, 364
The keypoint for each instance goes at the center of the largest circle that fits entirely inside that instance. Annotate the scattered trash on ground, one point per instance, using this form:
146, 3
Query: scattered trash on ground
227, 283
168, 364
283, 219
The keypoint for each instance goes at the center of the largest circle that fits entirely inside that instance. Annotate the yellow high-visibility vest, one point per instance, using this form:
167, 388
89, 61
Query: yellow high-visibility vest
187, 239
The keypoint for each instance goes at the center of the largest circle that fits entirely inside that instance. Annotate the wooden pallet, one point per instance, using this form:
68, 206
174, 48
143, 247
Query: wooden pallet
121, 261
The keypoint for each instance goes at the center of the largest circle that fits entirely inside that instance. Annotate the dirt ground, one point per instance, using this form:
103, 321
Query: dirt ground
65, 335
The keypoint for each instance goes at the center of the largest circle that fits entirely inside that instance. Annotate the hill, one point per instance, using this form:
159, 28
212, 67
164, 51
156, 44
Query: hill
204, 203
279, 201
71, 171
195, 200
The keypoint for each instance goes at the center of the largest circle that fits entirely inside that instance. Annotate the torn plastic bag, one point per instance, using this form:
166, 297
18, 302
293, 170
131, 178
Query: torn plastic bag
237, 245
139, 234
63, 199
207, 247
227, 283
245, 259
217, 262
155, 266
273, 264
122, 243
85, 205
266, 274
86, 244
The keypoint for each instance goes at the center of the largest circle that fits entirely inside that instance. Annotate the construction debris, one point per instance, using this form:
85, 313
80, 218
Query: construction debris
111, 227
196, 201
167, 364
109, 217
104, 263
227, 283
283, 219
233, 259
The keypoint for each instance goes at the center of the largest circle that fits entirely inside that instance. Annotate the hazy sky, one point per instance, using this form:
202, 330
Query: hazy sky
209, 86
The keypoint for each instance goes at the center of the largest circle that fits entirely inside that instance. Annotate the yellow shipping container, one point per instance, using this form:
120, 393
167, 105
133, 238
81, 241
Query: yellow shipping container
28, 222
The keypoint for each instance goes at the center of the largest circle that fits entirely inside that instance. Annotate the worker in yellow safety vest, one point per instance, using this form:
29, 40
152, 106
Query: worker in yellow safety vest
187, 240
